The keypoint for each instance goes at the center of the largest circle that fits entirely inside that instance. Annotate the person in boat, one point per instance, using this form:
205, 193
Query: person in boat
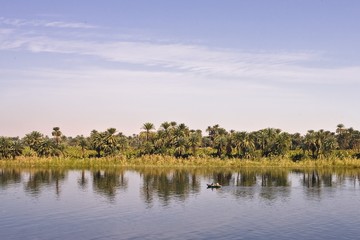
215, 185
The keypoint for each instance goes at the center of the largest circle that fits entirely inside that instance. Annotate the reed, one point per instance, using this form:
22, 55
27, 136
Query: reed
168, 161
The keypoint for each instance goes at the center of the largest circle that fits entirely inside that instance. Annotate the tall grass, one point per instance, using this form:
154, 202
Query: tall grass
168, 161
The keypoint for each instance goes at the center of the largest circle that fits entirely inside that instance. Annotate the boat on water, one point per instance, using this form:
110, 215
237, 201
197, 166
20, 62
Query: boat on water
212, 185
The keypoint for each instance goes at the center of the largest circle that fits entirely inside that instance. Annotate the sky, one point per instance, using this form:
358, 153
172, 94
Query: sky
245, 65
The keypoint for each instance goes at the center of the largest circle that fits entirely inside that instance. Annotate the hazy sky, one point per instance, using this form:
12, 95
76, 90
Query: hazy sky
246, 65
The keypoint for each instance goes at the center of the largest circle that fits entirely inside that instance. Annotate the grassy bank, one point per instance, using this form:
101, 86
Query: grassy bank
167, 161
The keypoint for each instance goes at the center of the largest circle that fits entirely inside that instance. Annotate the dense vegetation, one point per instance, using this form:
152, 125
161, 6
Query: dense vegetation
177, 140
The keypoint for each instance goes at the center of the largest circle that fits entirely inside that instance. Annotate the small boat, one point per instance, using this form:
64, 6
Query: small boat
216, 185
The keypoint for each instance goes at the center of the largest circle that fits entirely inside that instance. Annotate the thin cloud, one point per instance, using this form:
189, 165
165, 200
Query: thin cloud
42, 23
201, 61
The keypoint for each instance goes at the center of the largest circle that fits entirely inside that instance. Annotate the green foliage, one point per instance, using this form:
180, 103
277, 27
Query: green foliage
297, 157
28, 152
10, 148
179, 141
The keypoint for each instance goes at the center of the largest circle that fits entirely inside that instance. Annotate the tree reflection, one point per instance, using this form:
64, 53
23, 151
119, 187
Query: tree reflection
316, 180
245, 178
245, 182
223, 178
107, 182
167, 185
275, 184
9, 176
83, 180
39, 179
275, 179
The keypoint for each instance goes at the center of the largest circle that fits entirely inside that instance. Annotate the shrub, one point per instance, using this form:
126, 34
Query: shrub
297, 157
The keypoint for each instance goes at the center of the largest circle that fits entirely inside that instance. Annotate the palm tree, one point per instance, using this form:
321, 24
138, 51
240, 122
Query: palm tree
266, 138
320, 143
16, 148
220, 143
110, 141
165, 136
344, 136
5, 147
181, 145
309, 143
96, 141
244, 144
83, 143
340, 128
56, 133
282, 144
46, 148
148, 127
165, 126
33, 139
194, 141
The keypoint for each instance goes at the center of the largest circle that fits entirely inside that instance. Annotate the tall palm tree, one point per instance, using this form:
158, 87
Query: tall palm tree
340, 128
266, 138
83, 143
309, 143
220, 143
165, 135
148, 127
181, 145
56, 133
194, 141
110, 141
282, 144
96, 141
244, 144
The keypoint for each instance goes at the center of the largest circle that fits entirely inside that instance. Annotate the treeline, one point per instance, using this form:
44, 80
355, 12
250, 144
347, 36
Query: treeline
180, 141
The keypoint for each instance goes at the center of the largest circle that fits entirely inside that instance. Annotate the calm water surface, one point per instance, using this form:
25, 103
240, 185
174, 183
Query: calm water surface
175, 204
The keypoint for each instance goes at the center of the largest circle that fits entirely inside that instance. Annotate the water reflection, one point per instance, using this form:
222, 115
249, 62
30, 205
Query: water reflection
40, 179
167, 184
315, 181
246, 178
83, 180
9, 176
107, 183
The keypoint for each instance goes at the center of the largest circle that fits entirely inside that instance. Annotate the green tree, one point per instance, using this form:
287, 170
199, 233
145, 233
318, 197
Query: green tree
110, 142
82, 142
56, 133
96, 142
194, 141
148, 127
47, 148
244, 143
33, 139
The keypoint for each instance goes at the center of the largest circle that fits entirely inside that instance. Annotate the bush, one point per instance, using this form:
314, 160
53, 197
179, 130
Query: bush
28, 152
297, 157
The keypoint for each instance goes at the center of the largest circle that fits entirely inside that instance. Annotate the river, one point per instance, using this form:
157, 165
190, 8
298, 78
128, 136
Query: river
161, 203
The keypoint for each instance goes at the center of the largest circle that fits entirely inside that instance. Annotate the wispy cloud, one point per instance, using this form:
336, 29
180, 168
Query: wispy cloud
43, 23
194, 60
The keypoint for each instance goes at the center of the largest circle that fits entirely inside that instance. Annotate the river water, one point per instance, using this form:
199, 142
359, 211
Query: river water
161, 203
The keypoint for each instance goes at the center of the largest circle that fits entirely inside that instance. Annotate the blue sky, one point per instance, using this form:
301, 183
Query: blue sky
245, 65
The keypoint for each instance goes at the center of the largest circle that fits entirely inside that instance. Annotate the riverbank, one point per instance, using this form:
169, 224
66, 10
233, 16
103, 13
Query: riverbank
167, 161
